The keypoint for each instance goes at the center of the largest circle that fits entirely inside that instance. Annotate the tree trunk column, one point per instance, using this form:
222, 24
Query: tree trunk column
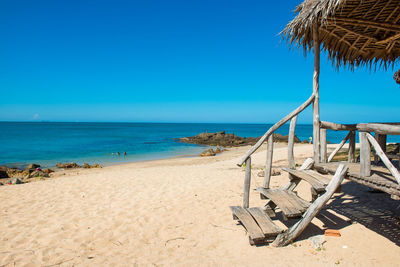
316, 124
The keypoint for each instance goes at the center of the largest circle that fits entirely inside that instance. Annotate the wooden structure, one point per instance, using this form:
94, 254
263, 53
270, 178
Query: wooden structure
353, 33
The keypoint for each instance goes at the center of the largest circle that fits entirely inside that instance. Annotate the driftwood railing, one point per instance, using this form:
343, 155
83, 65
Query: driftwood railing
351, 137
366, 140
246, 159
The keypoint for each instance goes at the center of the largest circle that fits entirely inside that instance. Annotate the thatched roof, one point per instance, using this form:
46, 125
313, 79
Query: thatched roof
353, 32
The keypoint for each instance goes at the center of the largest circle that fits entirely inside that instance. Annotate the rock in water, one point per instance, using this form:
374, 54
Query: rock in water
208, 153
228, 140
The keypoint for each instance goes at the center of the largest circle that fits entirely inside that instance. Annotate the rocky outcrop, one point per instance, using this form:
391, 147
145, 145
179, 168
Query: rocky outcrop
229, 140
68, 165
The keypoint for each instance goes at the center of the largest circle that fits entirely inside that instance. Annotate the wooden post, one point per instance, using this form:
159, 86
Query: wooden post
323, 145
381, 139
316, 126
365, 155
352, 147
247, 180
292, 129
268, 164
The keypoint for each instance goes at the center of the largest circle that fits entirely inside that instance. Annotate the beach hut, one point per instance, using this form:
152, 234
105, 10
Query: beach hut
353, 33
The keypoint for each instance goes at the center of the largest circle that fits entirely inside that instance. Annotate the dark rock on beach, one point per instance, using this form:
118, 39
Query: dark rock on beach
88, 166
229, 140
208, 153
3, 172
32, 166
69, 165
48, 171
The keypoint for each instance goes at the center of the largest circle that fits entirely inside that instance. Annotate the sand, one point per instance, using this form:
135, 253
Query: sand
174, 212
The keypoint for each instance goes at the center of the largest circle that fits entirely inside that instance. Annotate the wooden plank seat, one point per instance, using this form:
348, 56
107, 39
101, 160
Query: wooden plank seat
291, 205
259, 226
315, 179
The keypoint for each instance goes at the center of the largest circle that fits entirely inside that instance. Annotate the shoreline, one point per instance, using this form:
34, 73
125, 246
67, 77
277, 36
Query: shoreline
176, 212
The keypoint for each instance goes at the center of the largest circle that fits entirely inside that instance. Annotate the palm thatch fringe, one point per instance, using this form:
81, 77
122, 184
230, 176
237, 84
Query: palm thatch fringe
353, 32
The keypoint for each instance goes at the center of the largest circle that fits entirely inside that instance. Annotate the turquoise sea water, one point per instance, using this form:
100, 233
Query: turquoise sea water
47, 143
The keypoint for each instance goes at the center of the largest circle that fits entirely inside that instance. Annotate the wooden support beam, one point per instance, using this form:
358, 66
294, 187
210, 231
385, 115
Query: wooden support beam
383, 157
339, 147
274, 128
352, 147
247, 181
323, 145
294, 231
268, 164
365, 155
316, 126
292, 129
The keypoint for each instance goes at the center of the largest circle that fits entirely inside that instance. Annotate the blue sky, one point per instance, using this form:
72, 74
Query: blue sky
171, 61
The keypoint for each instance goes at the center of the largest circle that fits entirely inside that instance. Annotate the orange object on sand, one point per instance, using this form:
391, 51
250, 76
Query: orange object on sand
330, 232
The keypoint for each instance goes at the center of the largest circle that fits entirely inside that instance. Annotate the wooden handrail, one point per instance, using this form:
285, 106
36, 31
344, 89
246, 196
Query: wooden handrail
274, 128
379, 128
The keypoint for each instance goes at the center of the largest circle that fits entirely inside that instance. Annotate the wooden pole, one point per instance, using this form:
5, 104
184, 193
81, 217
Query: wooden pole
352, 148
292, 129
365, 155
247, 180
316, 125
268, 164
323, 145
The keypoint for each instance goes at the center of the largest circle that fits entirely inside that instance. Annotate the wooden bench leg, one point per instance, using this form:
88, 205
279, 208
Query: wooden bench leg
269, 208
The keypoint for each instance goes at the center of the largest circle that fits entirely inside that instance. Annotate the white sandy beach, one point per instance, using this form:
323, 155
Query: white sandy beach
171, 212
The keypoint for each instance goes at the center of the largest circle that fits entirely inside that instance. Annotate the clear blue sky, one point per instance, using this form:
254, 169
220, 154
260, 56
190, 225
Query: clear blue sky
170, 61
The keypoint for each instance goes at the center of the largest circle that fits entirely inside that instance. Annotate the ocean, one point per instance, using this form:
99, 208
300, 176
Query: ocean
48, 143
